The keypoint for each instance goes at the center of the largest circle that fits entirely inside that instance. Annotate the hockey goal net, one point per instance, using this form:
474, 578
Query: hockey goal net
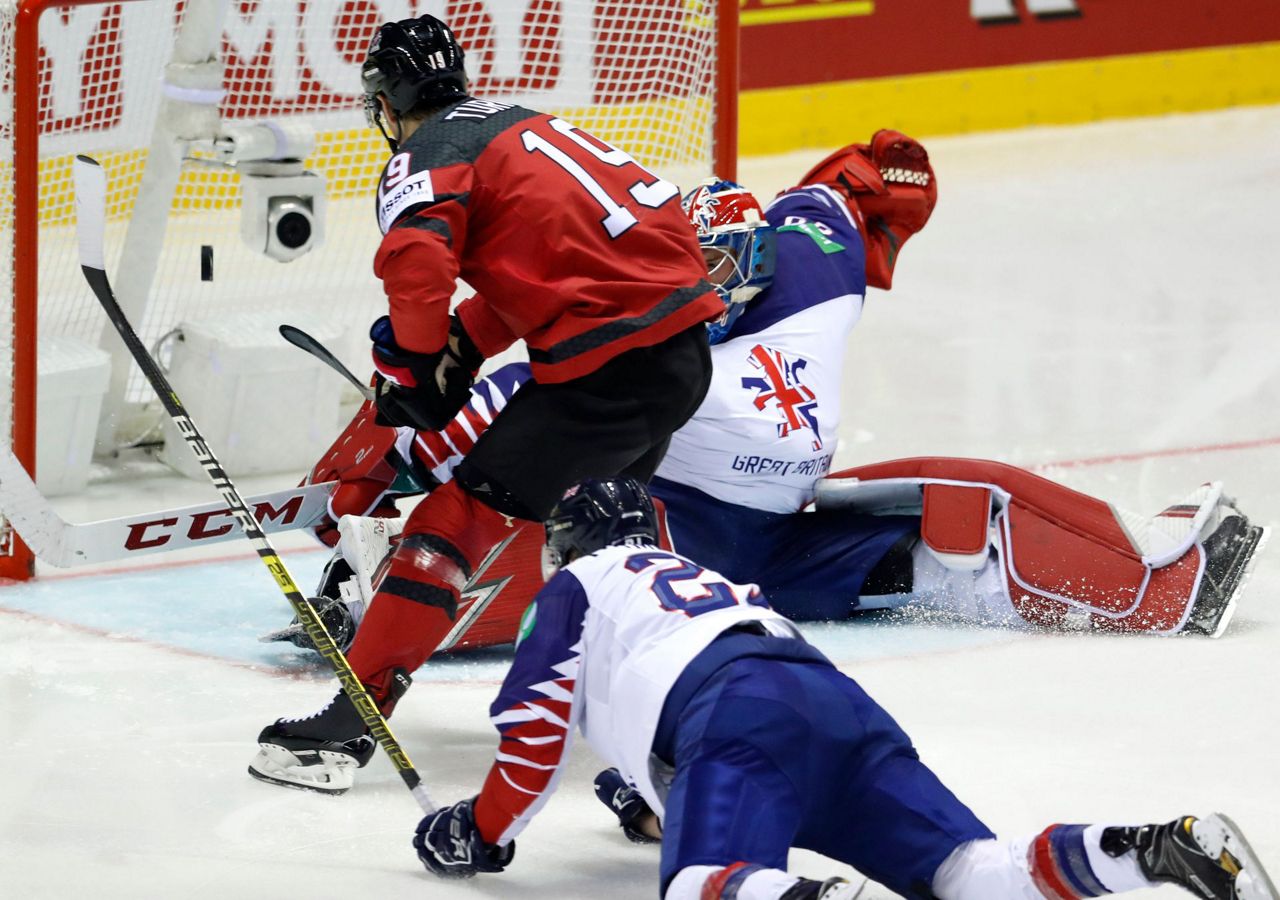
149, 87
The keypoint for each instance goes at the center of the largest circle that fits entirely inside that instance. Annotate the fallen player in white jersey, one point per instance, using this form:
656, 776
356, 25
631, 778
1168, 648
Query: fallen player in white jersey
701, 695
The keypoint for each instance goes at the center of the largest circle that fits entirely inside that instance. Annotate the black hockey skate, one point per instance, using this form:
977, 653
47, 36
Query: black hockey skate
321, 752
1228, 552
1208, 857
831, 889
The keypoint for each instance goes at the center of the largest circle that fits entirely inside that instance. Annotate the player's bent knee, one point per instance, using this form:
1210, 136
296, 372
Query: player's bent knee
465, 519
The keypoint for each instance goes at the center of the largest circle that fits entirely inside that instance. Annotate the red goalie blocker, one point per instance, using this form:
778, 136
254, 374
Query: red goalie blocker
364, 462
1061, 551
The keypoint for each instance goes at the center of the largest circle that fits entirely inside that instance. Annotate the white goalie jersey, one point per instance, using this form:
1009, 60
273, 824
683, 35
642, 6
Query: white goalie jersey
766, 432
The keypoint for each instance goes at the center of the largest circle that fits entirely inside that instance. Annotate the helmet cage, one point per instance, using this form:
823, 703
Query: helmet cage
752, 250
729, 220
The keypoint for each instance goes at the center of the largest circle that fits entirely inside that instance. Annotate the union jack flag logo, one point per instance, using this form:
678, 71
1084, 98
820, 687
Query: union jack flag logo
780, 386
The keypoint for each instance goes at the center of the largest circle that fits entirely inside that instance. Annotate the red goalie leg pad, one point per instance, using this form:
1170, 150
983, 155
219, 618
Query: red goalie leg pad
1065, 554
1161, 607
421, 582
505, 582
363, 497
1073, 510
1051, 563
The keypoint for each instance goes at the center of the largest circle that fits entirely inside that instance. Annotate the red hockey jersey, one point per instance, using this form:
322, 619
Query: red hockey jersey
570, 243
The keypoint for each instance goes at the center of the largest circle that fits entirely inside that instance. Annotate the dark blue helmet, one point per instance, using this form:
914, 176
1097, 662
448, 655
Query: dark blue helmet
597, 514
413, 62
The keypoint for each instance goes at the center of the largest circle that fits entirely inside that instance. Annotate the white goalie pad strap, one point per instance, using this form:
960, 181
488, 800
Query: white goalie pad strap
1165, 537
364, 542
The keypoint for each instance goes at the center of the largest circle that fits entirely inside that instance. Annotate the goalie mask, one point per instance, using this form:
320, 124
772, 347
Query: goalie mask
597, 514
413, 63
738, 245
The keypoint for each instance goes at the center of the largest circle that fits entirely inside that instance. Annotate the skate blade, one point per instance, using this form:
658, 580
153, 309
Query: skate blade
283, 634
1257, 545
1259, 885
842, 890
333, 774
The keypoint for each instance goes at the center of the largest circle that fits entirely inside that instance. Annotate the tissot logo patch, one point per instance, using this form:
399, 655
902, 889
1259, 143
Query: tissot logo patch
395, 197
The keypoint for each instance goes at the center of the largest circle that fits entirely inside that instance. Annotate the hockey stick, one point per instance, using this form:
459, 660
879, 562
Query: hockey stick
304, 341
65, 544
91, 217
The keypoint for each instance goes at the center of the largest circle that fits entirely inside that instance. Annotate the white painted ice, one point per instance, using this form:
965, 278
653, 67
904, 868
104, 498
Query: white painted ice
1102, 297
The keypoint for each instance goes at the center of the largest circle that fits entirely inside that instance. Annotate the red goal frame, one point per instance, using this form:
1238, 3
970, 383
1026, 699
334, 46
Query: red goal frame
17, 560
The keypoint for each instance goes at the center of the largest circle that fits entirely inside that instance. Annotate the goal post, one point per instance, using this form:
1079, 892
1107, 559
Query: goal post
169, 93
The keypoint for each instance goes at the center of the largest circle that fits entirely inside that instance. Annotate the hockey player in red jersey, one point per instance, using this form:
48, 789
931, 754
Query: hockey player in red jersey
573, 248
750, 742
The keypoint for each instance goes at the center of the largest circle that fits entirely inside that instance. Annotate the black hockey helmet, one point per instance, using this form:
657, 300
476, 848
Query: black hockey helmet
596, 514
413, 62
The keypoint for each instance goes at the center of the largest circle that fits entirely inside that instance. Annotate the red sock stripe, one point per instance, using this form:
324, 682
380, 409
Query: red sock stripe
714, 885
1045, 872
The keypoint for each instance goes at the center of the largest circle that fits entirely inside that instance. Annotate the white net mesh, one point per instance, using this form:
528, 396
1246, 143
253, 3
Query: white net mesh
638, 73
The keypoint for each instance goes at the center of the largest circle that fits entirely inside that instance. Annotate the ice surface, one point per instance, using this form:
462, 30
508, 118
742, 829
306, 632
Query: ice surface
1097, 301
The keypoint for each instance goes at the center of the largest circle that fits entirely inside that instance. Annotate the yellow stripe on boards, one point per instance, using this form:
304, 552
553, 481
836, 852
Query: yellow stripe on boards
807, 12
777, 120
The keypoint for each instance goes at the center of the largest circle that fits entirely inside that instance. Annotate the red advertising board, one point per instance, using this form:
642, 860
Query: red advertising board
797, 42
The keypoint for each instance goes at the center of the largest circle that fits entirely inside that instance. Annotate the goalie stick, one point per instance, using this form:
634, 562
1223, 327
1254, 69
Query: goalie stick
66, 544
91, 216
304, 341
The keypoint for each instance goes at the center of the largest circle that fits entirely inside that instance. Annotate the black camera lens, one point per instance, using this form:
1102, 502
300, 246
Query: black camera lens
293, 230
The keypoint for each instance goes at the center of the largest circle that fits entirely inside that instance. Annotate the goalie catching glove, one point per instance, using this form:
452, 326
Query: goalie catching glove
449, 844
340, 611
423, 391
890, 190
